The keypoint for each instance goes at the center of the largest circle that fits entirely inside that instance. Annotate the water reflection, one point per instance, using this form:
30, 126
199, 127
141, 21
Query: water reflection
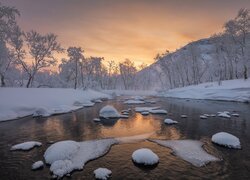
80, 126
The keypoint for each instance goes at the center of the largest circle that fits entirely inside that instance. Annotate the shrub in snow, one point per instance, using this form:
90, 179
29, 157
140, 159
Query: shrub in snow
37, 165
25, 146
102, 173
109, 112
189, 150
227, 140
145, 156
170, 121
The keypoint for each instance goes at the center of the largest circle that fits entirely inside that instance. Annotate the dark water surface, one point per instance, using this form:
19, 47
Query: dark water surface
79, 126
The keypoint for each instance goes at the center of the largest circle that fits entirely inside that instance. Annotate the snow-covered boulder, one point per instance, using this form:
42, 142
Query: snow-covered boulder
109, 112
184, 116
227, 140
224, 114
131, 101
66, 156
102, 173
235, 114
158, 111
25, 146
37, 165
189, 150
203, 117
170, 121
145, 156
145, 113
142, 109
96, 120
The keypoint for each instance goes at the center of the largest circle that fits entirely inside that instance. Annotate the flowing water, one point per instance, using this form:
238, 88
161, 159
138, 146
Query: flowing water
79, 126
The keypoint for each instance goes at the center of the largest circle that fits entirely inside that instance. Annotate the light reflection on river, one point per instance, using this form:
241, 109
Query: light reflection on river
79, 126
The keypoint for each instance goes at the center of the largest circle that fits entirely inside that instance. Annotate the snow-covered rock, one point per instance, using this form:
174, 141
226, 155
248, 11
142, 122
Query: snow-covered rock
66, 156
109, 112
145, 113
25, 146
145, 156
170, 121
37, 165
203, 117
96, 119
235, 114
158, 111
189, 150
143, 109
184, 116
224, 114
102, 173
227, 140
131, 101
98, 101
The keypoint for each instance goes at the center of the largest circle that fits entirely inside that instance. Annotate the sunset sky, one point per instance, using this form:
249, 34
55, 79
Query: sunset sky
119, 29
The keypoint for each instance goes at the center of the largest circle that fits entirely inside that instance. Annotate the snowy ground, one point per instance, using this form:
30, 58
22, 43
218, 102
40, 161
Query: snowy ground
231, 90
20, 102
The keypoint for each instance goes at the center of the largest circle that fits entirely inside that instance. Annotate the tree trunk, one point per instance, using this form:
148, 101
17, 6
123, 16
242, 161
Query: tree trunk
2, 81
29, 82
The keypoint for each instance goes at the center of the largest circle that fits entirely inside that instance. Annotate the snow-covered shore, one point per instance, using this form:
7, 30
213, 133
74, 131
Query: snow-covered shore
231, 90
21, 102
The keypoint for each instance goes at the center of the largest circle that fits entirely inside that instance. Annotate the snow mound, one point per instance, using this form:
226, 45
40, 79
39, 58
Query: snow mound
224, 114
184, 116
98, 101
109, 112
145, 113
26, 145
227, 140
131, 101
143, 109
145, 156
235, 114
170, 121
66, 156
203, 117
158, 111
102, 173
189, 150
37, 165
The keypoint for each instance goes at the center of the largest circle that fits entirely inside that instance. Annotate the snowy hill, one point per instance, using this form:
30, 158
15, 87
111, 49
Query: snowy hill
231, 90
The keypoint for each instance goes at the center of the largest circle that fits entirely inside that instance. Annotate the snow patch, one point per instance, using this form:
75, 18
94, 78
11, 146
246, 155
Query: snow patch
25, 146
66, 156
131, 101
189, 150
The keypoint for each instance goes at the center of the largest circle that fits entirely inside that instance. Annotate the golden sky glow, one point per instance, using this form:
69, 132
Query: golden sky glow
119, 29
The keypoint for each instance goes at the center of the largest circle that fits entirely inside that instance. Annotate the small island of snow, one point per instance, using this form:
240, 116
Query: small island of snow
145, 156
25, 146
102, 173
227, 140
109, 112
170, 121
